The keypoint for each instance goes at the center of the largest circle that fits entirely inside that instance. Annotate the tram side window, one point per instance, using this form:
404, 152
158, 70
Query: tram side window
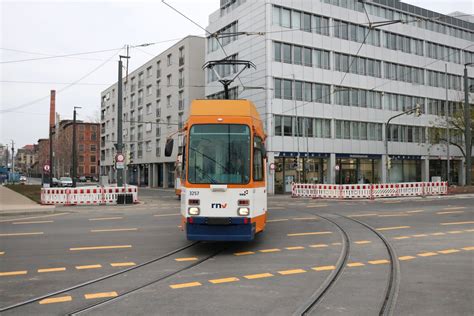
258, 159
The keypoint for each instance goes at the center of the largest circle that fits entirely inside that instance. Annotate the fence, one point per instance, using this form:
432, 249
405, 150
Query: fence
368, 191
86, 195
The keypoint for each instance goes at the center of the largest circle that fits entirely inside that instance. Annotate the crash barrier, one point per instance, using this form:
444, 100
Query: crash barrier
92, 195
368, 191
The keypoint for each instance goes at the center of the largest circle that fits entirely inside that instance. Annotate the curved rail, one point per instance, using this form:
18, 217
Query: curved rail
393, 285
77, 286
314, 299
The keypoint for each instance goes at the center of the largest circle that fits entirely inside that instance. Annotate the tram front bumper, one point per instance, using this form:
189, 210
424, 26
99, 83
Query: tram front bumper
220, 229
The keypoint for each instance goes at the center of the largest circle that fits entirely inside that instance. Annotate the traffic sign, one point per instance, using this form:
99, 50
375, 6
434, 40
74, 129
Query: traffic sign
119, 158
272, 166
46, 168
119, 165
337, 167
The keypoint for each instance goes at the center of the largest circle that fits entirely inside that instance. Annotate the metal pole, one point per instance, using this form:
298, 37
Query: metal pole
13, 161
386, 150
119, 145
467, 120
447, 127
74, 153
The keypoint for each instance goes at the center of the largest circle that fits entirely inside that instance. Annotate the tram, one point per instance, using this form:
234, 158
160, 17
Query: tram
223, 176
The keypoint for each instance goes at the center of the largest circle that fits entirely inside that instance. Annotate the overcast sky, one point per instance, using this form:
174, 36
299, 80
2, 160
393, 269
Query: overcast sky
36, 29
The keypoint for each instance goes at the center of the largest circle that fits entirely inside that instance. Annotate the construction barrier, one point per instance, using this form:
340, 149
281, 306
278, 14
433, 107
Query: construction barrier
368, 191
92, 195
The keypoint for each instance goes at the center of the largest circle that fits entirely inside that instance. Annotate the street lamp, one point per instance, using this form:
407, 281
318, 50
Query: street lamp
417, 111
74, 153
467, 124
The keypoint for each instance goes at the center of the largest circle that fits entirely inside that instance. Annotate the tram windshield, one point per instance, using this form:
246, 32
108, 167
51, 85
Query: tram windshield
219, 154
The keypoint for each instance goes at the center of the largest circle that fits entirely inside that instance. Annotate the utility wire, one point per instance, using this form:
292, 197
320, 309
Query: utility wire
59, 56
214, 35
64, 88
49, 55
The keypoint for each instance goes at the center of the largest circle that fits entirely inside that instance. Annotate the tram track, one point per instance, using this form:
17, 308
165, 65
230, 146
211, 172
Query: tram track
391, 290
100, 279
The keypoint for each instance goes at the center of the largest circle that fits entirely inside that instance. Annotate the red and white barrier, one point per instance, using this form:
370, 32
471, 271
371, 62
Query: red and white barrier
86, 195
368, 191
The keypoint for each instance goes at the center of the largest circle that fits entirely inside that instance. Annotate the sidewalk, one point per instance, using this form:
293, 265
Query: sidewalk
12, 202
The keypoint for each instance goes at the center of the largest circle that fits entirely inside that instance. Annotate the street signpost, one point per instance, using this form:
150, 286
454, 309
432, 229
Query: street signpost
119, 161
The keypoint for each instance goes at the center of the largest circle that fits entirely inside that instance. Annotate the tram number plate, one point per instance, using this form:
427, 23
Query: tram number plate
218, 221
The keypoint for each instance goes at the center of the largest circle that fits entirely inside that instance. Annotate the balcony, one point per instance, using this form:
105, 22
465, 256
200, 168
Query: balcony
181, 61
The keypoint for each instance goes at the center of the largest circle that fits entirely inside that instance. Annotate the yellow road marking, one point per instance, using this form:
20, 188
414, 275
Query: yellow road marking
122, 264
427, 254
468, 248
100, 295
244, 253
404, 258
22, 234
458, 223
294, 271
438, 234
363, 215
449, 212
104, 218
454, 208
183, 285
186, 259
401, 237
303, 218
258, 276
51, 270
383, 261
36, 222
31, 217
164, 215
295, 248
415, 211
113, 230
447, 251
2, 253
362, 242
100, 247
270, 250
91, 266
319, 246
13, 273
307, 234
224, 280
392, 228
420, 235
469, 230
355, 264
324, 268
60, 299
336, 244
277, 220
455, 232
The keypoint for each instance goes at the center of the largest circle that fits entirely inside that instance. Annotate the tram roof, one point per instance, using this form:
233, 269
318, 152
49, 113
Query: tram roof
224, 108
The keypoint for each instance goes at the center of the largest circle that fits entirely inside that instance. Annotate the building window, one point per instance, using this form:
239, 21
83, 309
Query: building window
148, 90
168, 80
93, 159
149, 71
148, 146
168, 101
92, 170
81, 147
93, 148
148, 108
168, 60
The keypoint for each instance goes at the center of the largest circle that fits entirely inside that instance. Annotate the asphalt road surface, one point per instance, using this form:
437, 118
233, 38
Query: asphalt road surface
316, 257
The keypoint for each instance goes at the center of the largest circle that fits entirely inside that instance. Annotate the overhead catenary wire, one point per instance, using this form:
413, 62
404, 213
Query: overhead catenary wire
64, 88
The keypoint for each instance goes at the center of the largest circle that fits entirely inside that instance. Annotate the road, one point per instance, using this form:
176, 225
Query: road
304, 250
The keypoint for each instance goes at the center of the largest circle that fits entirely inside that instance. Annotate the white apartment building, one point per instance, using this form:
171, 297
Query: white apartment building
156, 99
325, 98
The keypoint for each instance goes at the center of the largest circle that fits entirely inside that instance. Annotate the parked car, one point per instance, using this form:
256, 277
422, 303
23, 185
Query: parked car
82, 179
65, 182
23, 179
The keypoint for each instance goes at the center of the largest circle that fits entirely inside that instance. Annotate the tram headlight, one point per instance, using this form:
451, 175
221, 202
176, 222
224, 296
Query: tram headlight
243, 211
193, 211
